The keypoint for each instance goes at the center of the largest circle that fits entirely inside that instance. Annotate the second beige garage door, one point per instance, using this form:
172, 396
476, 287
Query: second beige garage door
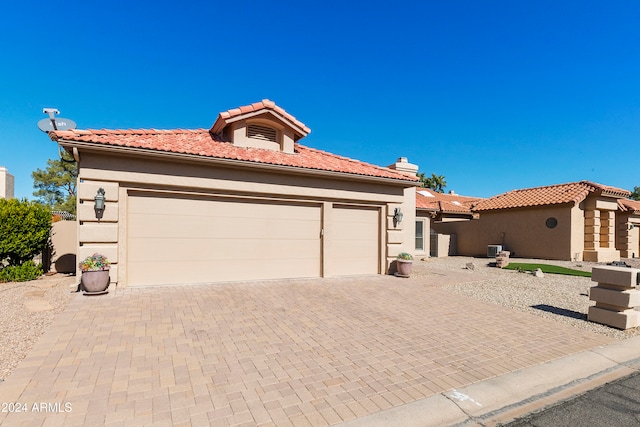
355, 245
175, 240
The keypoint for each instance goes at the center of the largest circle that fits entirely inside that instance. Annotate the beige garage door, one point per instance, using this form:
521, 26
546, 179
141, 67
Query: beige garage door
174, 239
355, 243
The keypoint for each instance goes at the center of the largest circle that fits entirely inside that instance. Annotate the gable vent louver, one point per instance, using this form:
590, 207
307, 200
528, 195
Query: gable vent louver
262, 132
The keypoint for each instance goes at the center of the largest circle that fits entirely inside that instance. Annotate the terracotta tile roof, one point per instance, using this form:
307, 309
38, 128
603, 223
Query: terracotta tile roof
629, 205
200, 142
573, 192
608, 190
427, 199
227, 116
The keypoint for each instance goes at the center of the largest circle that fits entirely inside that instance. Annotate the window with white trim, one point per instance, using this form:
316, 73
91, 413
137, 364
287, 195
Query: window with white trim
419, 235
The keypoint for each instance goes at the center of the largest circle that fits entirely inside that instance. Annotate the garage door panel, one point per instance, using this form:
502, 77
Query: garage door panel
168, 226
146, 250
224, 208
355, 266
347, 247
356, 240
226, 271
183, 240
354, 229
146, 226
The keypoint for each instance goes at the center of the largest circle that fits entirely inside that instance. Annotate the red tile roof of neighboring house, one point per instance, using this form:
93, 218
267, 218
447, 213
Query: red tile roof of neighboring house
200, 142
629, 205
266, 105
427, 199
573, 192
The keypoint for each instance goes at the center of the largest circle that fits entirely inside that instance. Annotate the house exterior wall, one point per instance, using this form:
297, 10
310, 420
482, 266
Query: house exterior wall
121, 175
425, 217
628, 234
600, 229
447, 245
523, 232
64, 240
577, 233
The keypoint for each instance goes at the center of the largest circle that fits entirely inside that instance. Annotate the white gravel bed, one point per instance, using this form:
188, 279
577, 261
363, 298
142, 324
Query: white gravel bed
26, 311
557, 297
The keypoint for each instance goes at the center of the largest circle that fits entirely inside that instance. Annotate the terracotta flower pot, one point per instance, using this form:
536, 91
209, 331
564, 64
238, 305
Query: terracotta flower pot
404, 267
95, 281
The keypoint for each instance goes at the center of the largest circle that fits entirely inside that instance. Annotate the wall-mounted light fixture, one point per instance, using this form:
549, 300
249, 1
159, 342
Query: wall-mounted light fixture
99, 203
397, 216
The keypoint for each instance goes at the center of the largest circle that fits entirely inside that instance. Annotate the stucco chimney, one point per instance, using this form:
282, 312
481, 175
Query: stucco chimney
402, 165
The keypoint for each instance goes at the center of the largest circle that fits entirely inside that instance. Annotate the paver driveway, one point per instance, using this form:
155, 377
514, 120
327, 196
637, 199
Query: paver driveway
303, 352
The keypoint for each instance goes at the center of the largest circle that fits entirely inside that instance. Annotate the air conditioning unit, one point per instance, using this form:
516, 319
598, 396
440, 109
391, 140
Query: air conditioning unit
493, 250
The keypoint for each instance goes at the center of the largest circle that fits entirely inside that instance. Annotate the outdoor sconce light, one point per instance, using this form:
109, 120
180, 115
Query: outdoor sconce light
397, 216
99, 203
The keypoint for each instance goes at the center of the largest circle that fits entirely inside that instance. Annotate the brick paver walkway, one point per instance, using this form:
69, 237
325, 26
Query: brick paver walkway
307, 352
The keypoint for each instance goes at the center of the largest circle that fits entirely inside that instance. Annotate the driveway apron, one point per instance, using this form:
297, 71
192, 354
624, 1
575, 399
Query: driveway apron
294, 352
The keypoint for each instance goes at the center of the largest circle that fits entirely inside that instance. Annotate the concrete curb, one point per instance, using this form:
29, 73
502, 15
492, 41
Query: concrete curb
502, 399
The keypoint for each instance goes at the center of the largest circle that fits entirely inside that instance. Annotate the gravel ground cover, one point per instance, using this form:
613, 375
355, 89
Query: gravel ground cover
26, 311
556, 297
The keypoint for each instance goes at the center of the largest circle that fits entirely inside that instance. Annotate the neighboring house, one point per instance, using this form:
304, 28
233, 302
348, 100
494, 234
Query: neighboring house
6, 184
628, 228
574, 221
240, 201
432, 209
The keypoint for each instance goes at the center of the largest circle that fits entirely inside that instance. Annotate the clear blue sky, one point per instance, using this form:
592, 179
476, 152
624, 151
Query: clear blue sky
494, 95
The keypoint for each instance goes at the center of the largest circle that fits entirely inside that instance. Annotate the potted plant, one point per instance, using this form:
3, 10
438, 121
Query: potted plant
404, 262
95, 274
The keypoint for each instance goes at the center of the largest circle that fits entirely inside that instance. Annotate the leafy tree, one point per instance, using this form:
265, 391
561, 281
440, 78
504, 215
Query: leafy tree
435, 182
635, 195
56, 185
25, 228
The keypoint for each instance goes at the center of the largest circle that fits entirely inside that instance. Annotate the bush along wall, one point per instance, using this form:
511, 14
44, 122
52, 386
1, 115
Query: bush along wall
25, 230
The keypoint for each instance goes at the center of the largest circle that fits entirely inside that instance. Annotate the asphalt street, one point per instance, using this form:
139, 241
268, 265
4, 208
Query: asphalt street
616, 404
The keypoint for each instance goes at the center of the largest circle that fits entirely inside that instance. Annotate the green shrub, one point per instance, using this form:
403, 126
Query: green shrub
25, 228
21, 273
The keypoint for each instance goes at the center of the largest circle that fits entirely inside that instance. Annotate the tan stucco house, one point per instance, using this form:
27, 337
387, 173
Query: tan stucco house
433, 208
573, 221
243, 200
628, 228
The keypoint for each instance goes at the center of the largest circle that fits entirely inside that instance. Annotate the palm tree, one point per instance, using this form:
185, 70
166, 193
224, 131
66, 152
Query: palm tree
435, 182
423, 179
